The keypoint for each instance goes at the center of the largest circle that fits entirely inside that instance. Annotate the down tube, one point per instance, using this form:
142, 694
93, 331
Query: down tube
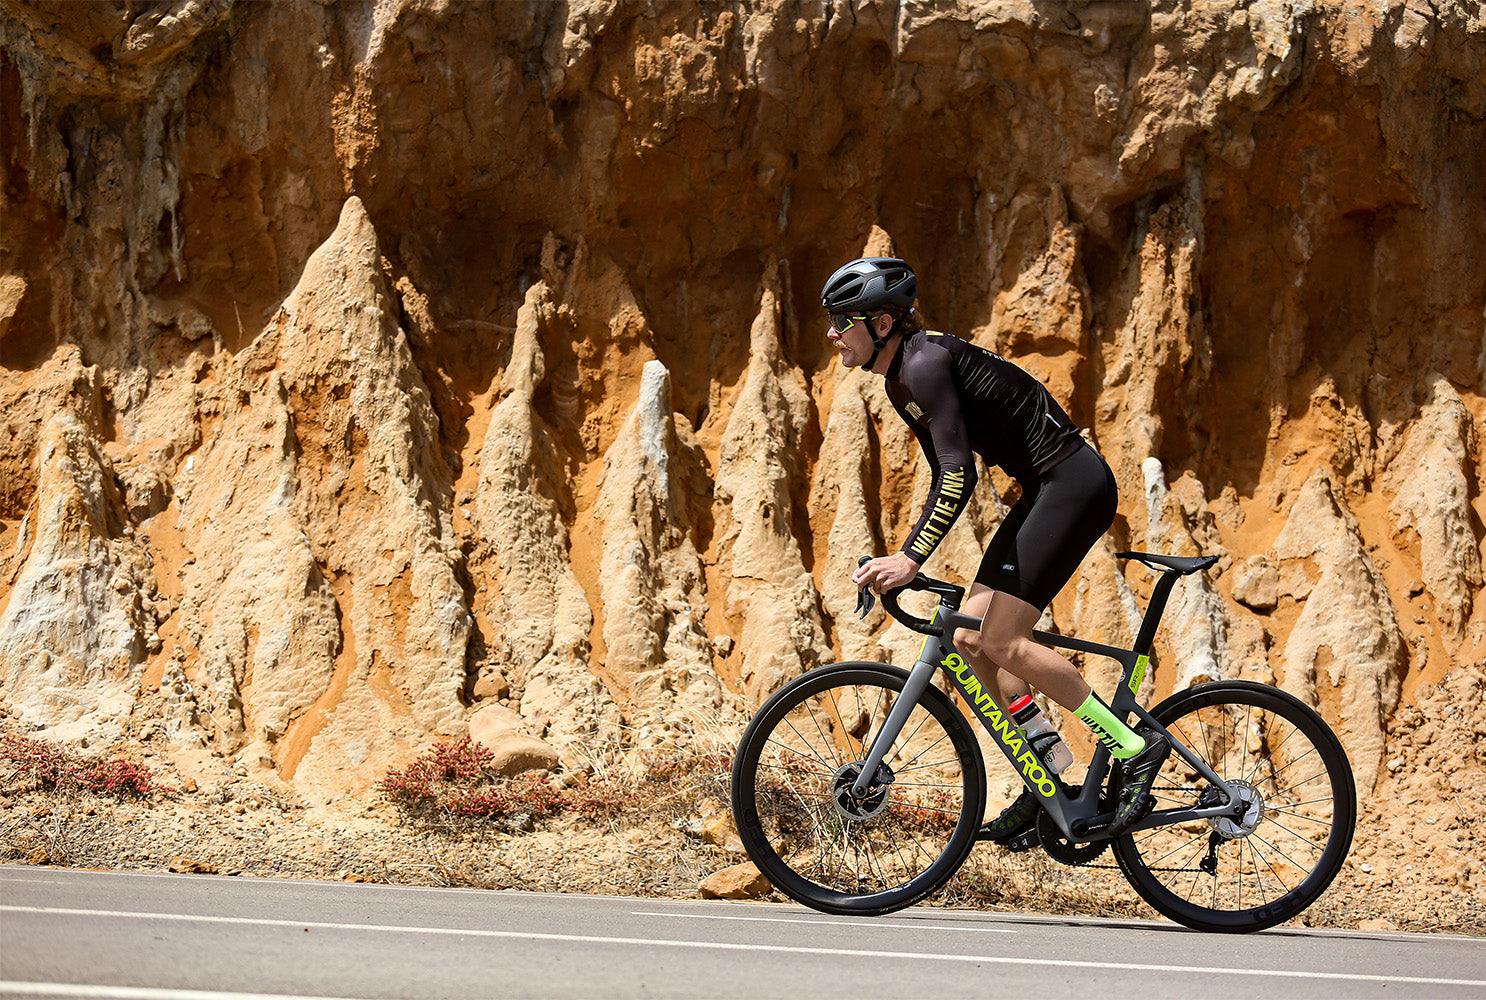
1007, 736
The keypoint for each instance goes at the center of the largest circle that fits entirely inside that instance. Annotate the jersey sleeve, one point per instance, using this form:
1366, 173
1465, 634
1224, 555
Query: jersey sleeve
939, 426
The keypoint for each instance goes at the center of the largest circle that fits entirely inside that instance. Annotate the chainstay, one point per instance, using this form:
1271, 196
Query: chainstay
1115, 868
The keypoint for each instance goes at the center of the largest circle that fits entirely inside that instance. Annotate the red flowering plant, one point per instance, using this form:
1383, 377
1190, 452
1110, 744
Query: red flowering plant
53, 767
452, 784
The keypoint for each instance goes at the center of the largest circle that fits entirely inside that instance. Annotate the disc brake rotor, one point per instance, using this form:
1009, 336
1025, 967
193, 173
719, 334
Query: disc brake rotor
1253, 813
875, 801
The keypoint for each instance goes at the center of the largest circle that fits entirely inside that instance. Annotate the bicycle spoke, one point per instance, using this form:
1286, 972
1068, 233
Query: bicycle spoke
1261, 757
1280, 851
831, 693
802, 796
924, 784
1291, 788
1277, 876
905, 741
1196, 839
918, 847
1207, 740
879, 710
907, 765
1274, 775
1258, 873
1297, 836
824, 738
1289, 812
1307, 802
790, 769
925, 767
931, 809
828, 765
902, 861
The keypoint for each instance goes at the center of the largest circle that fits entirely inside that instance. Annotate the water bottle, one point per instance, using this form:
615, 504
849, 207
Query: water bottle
1046, 743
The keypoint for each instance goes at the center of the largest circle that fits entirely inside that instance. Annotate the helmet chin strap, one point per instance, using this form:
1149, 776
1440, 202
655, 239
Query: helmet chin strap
879, 343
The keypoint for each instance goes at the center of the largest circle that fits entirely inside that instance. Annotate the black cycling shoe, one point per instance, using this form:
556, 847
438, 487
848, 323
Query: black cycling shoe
1015, 821
1137, 774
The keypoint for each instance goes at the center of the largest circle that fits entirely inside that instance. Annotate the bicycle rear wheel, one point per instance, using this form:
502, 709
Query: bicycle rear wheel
1245, 874
797, 762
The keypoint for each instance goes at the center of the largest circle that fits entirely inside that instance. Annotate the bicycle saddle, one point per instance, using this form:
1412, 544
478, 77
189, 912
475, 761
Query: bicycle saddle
1177, 564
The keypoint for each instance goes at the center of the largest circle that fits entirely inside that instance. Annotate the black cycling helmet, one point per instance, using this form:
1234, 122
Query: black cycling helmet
870, 284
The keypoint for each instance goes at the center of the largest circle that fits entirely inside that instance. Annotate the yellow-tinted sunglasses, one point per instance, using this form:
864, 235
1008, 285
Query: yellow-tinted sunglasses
842, 322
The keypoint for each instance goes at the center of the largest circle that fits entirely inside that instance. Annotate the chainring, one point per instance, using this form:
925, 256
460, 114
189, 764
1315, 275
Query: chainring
1060, 848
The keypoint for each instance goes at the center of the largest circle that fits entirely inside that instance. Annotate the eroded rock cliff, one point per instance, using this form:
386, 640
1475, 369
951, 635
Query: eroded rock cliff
367, 366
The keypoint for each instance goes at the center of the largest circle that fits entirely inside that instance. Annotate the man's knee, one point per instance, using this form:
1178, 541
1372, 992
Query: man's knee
970, 642
988, 650
1003, 650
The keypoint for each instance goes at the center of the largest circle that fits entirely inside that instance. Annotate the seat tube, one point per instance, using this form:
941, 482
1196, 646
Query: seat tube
913, 689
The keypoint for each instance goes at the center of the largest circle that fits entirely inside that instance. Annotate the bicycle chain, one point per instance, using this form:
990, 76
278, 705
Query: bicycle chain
1105, 843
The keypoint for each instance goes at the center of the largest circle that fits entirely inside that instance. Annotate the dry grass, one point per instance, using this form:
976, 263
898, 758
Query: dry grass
995, 879
648, 839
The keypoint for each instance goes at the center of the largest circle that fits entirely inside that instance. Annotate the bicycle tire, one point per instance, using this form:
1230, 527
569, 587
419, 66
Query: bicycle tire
1296, 831
905, 840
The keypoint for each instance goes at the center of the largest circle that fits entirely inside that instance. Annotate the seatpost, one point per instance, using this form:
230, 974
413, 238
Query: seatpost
1154, 611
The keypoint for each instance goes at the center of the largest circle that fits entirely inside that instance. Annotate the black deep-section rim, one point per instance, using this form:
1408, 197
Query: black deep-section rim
876, 677
1291, 775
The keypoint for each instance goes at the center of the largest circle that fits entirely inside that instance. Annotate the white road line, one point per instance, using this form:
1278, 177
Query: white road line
903, 956
821, 923
88, 992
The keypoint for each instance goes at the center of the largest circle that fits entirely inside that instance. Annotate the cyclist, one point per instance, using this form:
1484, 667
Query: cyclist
958, 398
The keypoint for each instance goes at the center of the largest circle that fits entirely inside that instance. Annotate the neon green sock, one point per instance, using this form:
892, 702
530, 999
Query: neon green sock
1122, 741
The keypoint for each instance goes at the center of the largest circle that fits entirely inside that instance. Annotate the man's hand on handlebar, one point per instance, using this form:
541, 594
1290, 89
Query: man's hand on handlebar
885, 573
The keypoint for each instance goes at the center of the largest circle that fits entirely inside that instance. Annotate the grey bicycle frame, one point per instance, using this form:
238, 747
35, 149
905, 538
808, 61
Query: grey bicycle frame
1075, 815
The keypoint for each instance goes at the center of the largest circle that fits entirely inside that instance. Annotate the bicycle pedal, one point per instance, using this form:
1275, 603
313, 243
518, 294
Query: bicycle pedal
1023, 841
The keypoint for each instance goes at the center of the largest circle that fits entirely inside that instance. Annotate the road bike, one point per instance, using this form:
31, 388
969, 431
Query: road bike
859, 788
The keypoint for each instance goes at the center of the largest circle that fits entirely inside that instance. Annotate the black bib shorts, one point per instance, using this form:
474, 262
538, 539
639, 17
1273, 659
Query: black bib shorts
1049, 530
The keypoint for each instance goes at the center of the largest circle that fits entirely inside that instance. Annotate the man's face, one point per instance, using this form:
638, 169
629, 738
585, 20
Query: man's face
855, 342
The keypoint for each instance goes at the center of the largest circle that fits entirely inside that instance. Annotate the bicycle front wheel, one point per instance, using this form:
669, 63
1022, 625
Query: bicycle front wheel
819, 845
1300, 810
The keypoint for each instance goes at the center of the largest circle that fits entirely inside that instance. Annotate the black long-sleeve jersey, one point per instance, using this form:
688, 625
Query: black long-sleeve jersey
958, 398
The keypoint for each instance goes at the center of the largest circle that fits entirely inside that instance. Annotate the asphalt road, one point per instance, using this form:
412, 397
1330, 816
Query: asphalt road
67, 933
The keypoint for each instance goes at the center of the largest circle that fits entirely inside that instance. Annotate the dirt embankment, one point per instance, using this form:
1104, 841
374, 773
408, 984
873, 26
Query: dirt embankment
375, 373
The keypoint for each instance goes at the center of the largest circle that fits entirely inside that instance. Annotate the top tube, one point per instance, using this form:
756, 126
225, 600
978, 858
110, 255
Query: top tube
951, 596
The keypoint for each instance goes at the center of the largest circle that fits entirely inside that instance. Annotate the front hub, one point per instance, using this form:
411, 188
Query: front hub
867, 806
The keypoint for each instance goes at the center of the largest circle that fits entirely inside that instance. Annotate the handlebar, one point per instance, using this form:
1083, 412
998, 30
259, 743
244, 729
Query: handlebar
949, 595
